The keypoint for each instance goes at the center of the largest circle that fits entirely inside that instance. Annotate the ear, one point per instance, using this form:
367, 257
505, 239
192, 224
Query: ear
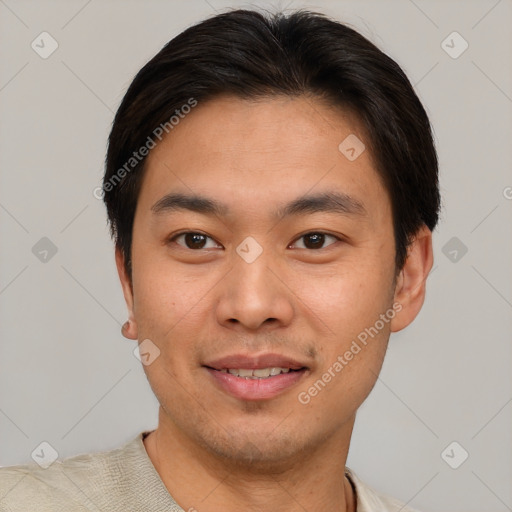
411, 282
129, 329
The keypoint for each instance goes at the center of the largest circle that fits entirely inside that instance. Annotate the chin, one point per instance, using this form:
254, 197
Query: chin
257, 448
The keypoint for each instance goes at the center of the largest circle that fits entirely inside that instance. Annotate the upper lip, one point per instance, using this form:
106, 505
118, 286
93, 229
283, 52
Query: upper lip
254, 362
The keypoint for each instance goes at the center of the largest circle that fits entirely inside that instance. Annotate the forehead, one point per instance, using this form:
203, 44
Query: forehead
258, 152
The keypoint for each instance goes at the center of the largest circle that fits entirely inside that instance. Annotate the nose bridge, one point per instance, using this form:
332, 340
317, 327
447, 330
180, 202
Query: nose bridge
251, 293
250, 275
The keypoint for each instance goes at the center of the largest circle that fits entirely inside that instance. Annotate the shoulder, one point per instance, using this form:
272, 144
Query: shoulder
116, 480
31, 488
369, 500
68, 485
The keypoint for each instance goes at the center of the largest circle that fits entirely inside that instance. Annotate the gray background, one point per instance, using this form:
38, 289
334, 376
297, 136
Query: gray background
67, 375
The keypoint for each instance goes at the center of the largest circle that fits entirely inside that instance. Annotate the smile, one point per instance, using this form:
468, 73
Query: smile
261, 373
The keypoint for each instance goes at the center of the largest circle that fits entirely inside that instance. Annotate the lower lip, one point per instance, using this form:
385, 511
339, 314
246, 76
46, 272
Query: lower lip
256, 389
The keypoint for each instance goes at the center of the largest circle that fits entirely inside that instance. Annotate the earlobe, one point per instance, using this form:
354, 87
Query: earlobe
129, 328
411, 283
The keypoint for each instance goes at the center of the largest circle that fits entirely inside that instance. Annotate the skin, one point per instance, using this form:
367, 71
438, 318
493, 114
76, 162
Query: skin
213, 451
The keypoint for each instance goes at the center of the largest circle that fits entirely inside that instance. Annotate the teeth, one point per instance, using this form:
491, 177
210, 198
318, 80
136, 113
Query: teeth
260, 373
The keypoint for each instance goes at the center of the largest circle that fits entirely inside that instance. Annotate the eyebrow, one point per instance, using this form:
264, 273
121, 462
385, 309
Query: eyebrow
329, 202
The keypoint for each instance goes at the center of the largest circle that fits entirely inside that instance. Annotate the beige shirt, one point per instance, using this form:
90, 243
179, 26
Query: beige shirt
120, 480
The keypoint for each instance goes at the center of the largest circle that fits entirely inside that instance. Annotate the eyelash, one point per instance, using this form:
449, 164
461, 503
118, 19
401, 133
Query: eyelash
174, 237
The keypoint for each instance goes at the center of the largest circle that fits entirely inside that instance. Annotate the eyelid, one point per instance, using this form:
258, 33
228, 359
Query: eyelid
319, 232
173, 237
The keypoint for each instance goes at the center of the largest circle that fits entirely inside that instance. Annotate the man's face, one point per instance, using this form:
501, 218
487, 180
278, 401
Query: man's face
248, 289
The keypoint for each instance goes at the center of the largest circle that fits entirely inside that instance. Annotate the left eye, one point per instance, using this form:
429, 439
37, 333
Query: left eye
315, 240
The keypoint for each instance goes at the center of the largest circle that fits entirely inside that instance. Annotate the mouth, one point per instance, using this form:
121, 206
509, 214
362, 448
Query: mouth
260, 373
256, 378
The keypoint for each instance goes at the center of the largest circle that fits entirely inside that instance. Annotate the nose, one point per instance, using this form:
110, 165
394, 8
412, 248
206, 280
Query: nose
255, 295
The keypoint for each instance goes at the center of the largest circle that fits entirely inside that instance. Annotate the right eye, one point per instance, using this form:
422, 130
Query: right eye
192, 240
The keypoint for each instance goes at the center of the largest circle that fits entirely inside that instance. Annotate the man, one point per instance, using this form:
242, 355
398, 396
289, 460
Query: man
272, 188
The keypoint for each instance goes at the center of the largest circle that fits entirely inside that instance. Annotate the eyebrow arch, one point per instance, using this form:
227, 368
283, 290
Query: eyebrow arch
330, 202
195, 203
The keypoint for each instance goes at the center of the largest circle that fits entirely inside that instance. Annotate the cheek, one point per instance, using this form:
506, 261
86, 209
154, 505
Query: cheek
164, 294
170, 308
349, 304
346, 299
350, 363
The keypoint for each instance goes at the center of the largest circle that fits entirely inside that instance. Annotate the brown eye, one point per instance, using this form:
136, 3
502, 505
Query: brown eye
193, 240
315, 240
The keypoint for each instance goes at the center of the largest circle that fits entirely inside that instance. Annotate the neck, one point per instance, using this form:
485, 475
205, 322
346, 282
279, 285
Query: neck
198, 479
